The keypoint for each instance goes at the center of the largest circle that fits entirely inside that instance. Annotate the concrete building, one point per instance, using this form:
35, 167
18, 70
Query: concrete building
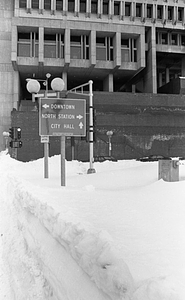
123, 46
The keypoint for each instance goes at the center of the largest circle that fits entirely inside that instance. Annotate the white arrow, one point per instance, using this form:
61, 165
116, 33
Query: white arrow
45, 105
79, 117
81, 125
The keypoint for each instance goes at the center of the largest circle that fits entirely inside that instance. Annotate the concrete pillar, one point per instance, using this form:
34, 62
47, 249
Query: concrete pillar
92, 45
150, 79
108, 85
41, 45
67, 46
64, 77
167, 75
140, 43
117, 49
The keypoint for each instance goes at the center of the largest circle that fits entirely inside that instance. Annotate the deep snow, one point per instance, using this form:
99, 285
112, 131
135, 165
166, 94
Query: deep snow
116, 234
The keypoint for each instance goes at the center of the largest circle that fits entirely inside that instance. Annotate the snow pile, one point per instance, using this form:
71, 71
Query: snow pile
112, 235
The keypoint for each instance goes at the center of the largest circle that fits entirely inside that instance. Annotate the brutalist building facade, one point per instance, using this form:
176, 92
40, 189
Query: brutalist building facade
133, 51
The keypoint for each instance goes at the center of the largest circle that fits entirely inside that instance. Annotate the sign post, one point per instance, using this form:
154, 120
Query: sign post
62, 117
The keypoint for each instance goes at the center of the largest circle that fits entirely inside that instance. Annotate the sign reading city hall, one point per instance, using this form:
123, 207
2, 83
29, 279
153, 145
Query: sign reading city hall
62, 117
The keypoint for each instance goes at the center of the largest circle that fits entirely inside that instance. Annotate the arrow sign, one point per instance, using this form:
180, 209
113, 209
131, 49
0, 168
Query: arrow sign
45, 106
62, 116
81, 125
79, 117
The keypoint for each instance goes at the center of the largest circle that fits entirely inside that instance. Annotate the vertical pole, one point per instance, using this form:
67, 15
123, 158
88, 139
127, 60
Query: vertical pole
46, 155
46, 148
72, 148
91, 129
62, 148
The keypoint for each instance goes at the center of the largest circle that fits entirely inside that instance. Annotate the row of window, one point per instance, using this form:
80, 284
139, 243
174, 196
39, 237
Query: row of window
125, 8
28, 44
170, 38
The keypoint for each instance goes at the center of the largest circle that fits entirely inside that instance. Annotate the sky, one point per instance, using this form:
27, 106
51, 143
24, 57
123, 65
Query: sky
117, 234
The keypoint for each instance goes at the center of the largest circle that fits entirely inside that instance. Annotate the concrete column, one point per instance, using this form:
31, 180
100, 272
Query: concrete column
150, 79
41, 6
117, 49
140, 43
64, 77
77, 7
108, 85
41, 45
167, 75
14, 46
16, 89
53, 7
67, 46
92, 45
28, 6
88, 8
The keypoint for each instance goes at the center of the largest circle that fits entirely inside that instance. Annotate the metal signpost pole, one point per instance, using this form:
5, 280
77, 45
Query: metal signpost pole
91, 130
63, 172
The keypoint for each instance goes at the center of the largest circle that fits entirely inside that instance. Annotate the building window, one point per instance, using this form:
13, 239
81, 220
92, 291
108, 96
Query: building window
105, 7
22, 3
47, 4
35, 4
59, 5
71, 5
127, 9
170, 13
180, 13
104, 48
79, 47
159, 11
149, 11
54, 45
116, 8
128, 50
182, 40
94, 7
138, 10
174, 39
82, 6
164, 38
28, 44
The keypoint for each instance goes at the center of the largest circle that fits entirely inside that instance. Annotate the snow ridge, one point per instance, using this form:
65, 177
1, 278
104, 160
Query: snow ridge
92, 250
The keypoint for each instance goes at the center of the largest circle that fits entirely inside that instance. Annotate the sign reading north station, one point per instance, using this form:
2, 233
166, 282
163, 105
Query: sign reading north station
62, 117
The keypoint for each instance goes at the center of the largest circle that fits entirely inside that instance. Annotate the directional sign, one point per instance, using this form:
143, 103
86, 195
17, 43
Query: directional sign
62, 117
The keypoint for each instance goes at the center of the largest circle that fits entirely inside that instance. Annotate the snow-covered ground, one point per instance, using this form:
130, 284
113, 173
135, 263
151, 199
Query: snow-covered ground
116, 234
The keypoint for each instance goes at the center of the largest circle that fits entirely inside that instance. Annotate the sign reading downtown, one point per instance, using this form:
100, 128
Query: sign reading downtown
62, 117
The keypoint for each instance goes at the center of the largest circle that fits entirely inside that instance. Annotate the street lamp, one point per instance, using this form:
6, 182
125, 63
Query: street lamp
109, 134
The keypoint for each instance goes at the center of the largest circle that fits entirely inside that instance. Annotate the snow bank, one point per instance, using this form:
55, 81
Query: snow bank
40, 227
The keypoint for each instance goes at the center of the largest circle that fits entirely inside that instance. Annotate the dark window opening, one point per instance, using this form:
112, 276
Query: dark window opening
174, 39
159, 12
183, 40
149, 11
59, 5
105, 7
47, 4
127, 9
79, 47
35, 4
22, 3
71, 5
94, 7
164, 39
116, 8
180, 13
83, 6
170, 13
138, 10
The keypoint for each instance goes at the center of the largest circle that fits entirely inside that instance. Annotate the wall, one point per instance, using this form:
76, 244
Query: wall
8, 80
142, 124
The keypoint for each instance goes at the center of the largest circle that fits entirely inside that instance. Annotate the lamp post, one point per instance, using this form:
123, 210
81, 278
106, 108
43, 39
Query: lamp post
109, 134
